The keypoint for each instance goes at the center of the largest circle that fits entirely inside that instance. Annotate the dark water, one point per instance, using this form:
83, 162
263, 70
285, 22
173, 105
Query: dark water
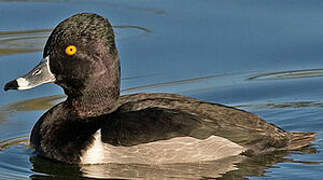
262, 56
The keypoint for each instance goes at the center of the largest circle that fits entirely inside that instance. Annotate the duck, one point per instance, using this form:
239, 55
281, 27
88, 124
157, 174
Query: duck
95, 125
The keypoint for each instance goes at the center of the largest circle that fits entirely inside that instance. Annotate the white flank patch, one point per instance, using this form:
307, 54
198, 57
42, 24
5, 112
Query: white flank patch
95, 153
171, 151
22, 83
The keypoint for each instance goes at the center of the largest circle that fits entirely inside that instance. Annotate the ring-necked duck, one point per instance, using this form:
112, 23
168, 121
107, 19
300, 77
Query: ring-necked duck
96, 125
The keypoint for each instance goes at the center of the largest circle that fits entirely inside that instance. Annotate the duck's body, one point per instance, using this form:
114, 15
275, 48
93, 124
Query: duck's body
157, 128
94, 125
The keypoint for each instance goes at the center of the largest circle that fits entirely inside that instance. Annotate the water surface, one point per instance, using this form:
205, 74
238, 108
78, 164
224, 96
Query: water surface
261, 56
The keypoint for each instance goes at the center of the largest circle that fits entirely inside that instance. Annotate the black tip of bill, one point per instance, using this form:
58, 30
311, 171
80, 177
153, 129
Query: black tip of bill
11, 85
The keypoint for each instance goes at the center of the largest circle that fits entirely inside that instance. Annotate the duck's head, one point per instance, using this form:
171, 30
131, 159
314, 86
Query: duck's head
81, 56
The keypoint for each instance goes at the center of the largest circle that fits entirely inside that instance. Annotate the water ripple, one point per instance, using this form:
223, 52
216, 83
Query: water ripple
42, 103
17, 42
292, 74
175, 83
21, 140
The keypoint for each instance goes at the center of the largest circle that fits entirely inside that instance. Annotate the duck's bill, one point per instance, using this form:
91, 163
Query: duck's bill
41, 74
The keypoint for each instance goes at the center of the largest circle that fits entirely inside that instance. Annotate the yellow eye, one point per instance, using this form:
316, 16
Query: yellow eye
70, 50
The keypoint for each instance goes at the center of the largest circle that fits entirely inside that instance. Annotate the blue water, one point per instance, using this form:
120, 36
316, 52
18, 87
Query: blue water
262, 56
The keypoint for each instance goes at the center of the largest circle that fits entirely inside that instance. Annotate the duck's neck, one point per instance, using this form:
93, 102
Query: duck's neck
94, 104
99, 96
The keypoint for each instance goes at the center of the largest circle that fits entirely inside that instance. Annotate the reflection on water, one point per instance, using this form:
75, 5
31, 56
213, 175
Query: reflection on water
173, 83
37, 104
42, 103
236, 167
4, 144
16, 42
138, 171
256, 166
304, 73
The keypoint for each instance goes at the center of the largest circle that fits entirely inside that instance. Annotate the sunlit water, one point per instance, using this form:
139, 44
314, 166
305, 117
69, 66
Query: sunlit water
262, 56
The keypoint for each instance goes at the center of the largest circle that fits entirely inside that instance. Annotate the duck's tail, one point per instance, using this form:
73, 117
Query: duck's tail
300, 139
